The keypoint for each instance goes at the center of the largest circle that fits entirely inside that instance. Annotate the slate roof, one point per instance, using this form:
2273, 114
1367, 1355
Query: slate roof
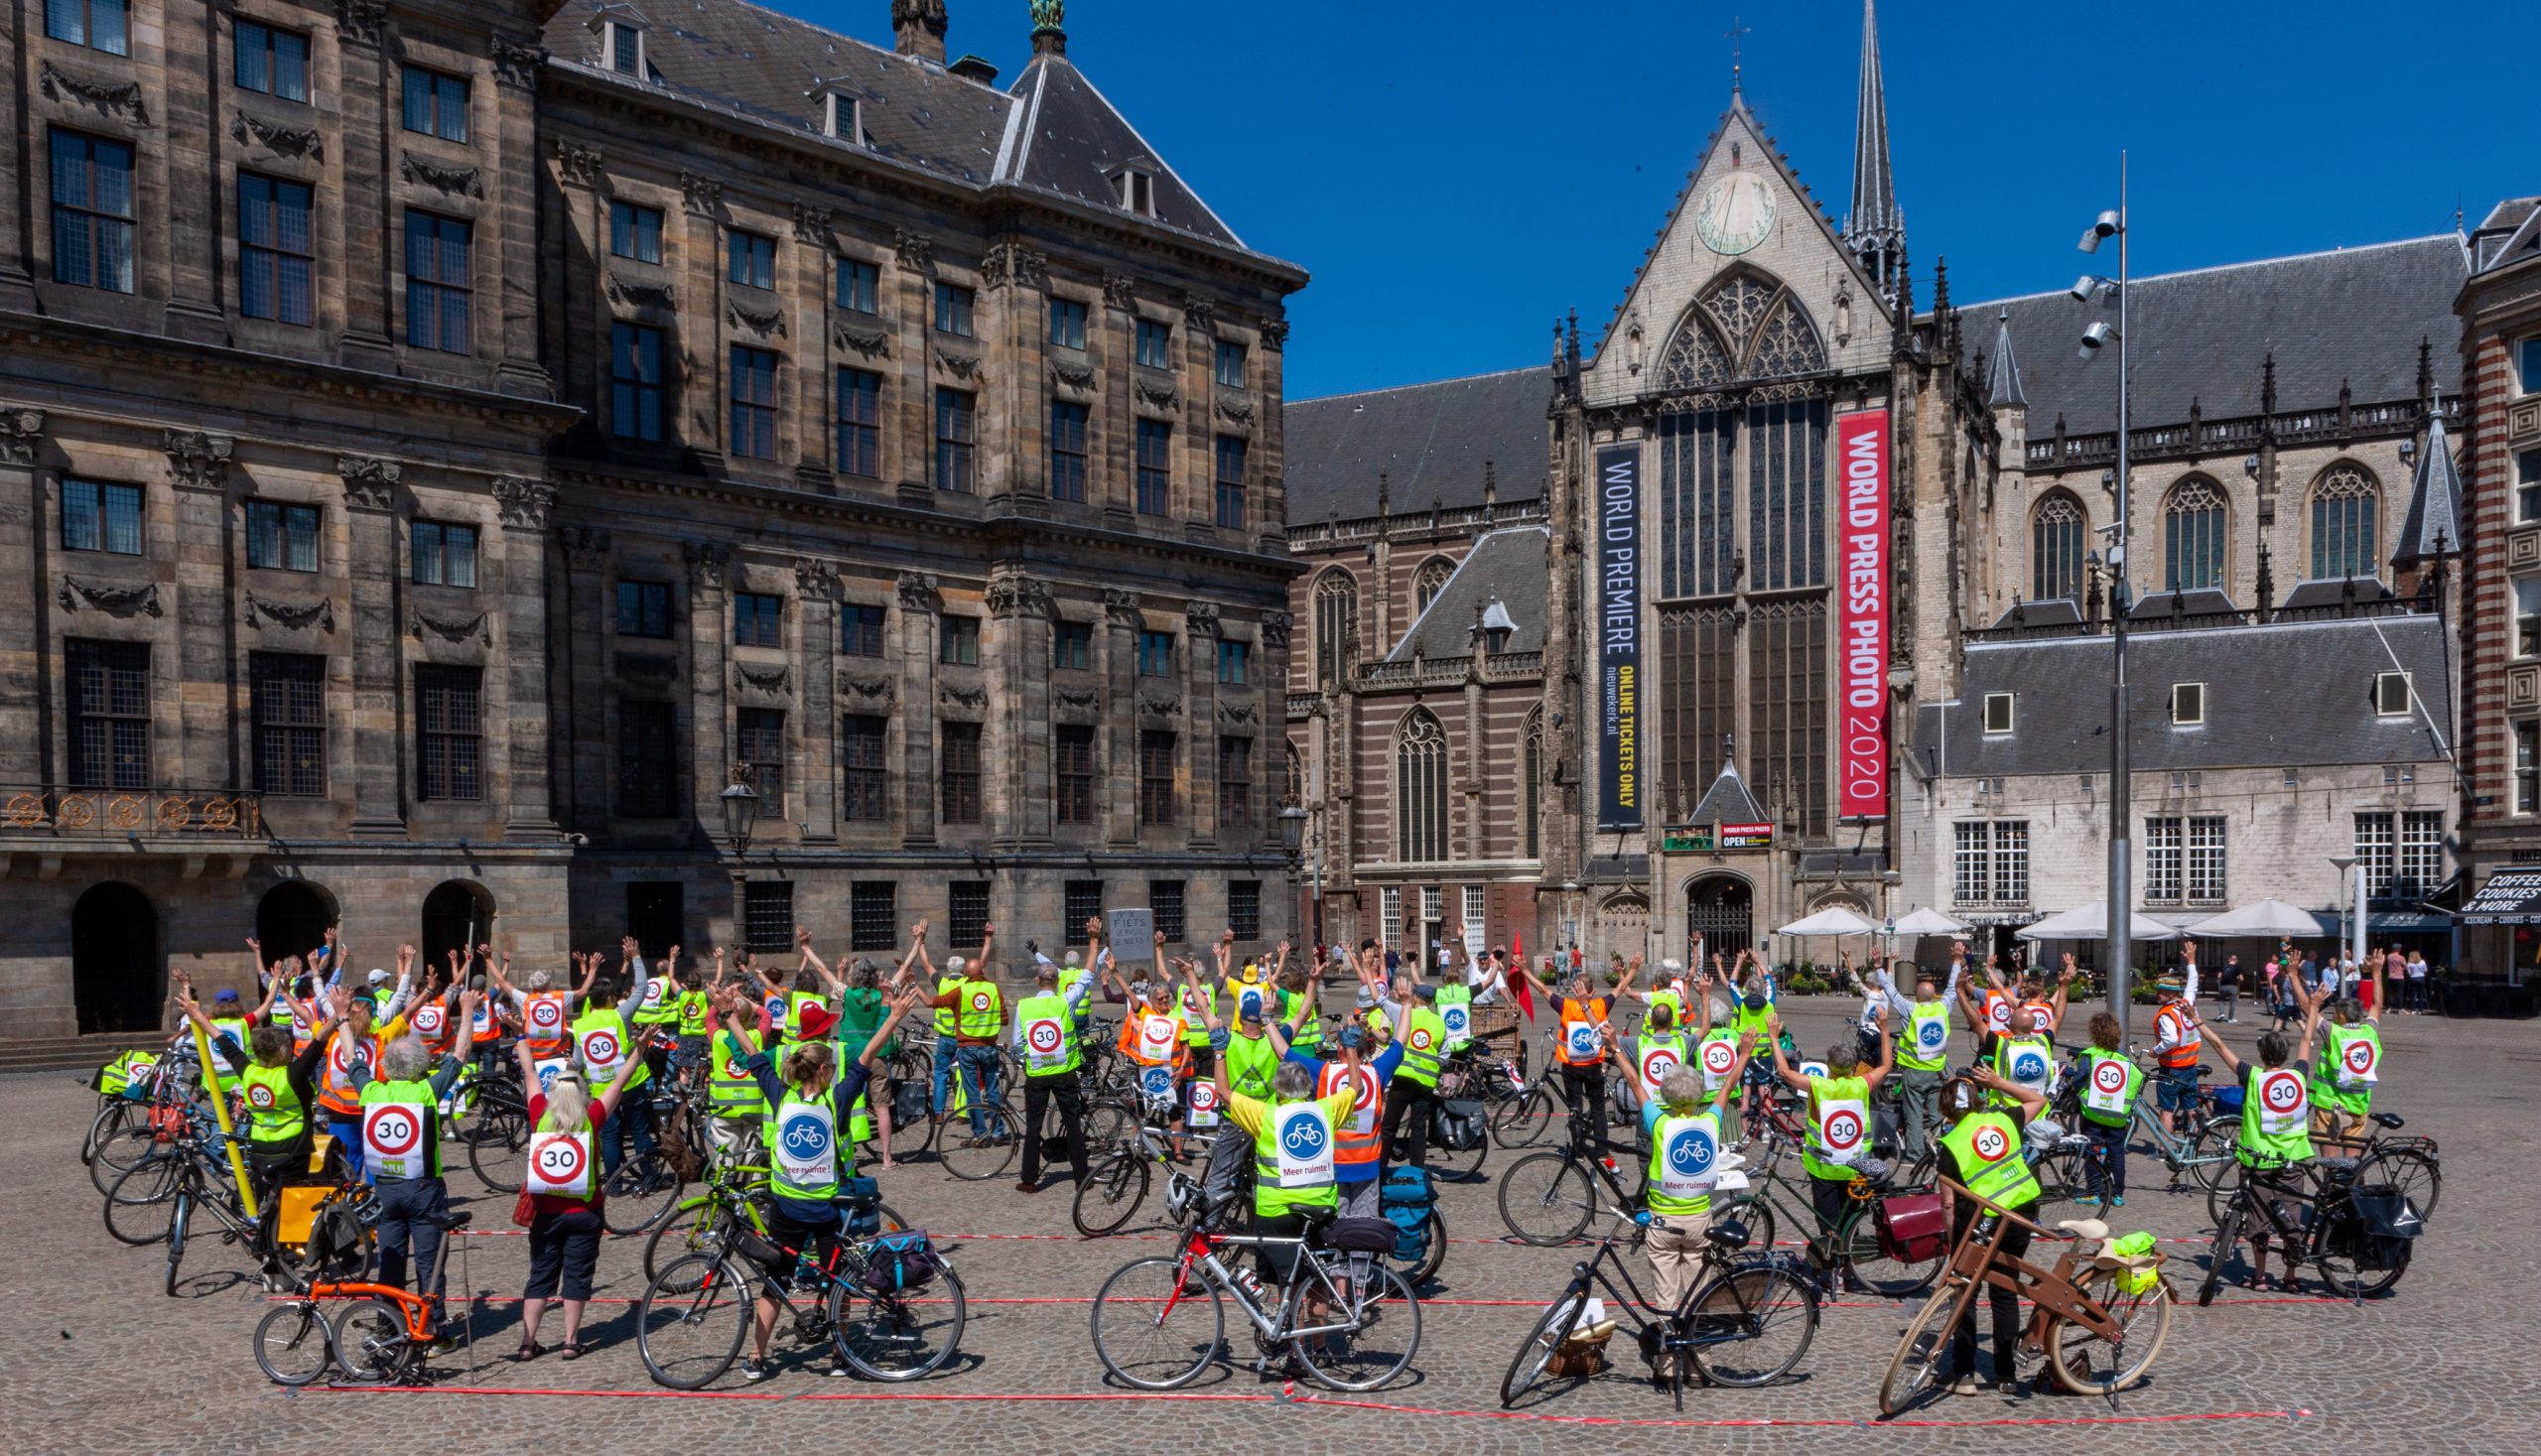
1506, 565
2432, 524
2355, 315
1052, 132
1431, 441
2292, 694
2053, 612
1874, 210
2197, 603
2332, 591
2509, 233
2003, 371
1727, 800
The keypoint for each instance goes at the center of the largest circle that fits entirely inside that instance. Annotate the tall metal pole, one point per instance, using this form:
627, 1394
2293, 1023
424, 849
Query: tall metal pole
2121, 847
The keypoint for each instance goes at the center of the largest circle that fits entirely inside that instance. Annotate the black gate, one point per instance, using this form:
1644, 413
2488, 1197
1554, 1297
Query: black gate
1722, 910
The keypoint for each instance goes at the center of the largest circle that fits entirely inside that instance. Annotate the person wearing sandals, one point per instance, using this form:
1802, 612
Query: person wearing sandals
563, 1187
2276, 1128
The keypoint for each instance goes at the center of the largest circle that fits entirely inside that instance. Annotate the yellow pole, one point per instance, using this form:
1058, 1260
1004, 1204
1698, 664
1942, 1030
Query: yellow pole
221, 1110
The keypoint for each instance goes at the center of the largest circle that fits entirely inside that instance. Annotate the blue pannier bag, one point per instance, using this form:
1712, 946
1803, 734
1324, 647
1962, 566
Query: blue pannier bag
1405, 1201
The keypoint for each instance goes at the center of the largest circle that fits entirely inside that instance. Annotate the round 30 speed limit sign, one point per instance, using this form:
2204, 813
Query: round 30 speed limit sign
1842, 1131
2109, 1076
559, 1161
392, 1130
1718, 1058
600, 1048
545, 1015
2280, 1092
1991, 1144
1044, 1037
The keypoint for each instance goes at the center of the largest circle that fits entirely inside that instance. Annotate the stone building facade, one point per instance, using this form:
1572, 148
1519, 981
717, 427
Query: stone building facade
446, 441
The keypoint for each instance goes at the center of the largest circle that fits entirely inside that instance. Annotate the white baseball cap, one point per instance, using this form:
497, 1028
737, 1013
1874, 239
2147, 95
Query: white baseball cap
377, 975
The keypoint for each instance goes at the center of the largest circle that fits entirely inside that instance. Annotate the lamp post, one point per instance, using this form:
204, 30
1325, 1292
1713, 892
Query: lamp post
2344, 863
740, 815
1293, 839
1315, 835
1571, 889
2121, 846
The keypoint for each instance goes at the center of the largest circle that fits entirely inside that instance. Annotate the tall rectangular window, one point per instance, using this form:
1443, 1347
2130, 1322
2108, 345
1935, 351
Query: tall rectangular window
635, 382
648, 781
2163, 877
2377, 852
968, 903
959, 746
957, 640
859, 630
99, 25
1234, 783
1232, 449
636, 231
1155, 469
956, 439
2527, 485
1785, 450
2421, 858
758, 744
439, 283
1243, 908
865, 770
873, 915
767, 906
1234, 662
953, 309
1155, 344
1067, 323
644, 609
1067, 450
2207, 877
1155, 777
1389, 914
100, 517
275, 251
859, 283
449, 714
288, 691
273, 61
1072, 645
1230, 363
2527, 767
1155, 654
436, 104
758, 619
753, 402
1165, 898
1973, 862
282, 537
2011, 862
1081, 900
109, 703
91, 212
859, 423
1073, 753
753, 259
445, 554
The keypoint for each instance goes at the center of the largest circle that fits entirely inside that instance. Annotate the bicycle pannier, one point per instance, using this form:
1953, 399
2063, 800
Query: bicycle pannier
1913, 1226
902, 1261
1360, 1235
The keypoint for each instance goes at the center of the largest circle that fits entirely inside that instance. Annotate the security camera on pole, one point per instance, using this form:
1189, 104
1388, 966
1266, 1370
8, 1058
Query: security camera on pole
2121, 849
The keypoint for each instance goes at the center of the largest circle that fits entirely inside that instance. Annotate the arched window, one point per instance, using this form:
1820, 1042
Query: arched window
1297, 775
2056, 535
1420, 789
1787, 345
1427, 581
2193, 537
2344, 539
1336, 626
1695, 358
1532, 771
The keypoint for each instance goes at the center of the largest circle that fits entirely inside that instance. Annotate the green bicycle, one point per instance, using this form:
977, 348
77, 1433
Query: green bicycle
703, 1224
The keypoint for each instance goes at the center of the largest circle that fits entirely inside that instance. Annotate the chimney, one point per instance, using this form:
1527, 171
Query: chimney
917, 29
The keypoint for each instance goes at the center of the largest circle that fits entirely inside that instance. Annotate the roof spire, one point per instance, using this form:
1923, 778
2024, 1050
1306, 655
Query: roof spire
1736, 35
1049, 17
1875, 229
2003, 384
2432, 529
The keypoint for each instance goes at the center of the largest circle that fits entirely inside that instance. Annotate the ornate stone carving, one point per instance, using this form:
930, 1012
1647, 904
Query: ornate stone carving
586, 548
918, 592
702, 194
1237, 411
197, 459
1011, 263
707, 562
579, 164
960, 366
298, 617
1275, 335
370, 483
975, 699
764, 679
521, 501
653, 666
20, 431
123, 101
1122, 605
915, 249
1120, 290
642, 295
1201, 617
1073, 376
762, 323
1082, 698
451, 628
1275, 629
1235, 711
811, 224
1159, 396
1014, 593
1161, 707
1199, 313
282, 141
110, 599
450, 181
361, 22
516, 62
815, 578
873, 343
879, 690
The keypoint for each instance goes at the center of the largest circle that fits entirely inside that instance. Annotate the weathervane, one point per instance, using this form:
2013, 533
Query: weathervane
1736, 35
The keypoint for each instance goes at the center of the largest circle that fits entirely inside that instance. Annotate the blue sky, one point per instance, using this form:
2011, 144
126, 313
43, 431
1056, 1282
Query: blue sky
1456, 175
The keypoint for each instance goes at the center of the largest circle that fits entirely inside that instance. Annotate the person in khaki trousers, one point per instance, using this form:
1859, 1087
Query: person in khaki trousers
1684, 1164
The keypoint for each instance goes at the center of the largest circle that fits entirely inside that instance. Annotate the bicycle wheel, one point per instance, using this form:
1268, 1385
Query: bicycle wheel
116, 1155
2411, 1172
1522, 1118
1918, 1361
894, 1335
1867, 1262
2228, 1239
1526, 1367
2211, 1152
136, 1208
1384, 1319
695, 1226
2087, 1365
1156, 1325
1750, 1212
690, 1323
181, 1212
1108, 1127
1110, 1194
1546, 1199
2062, 1178
291, 1344
644, 1189
2221, 1192
370, 1341
976, 1156
496, 1147
2354, 1265
1455, 1164
111, 1119
1752, 1326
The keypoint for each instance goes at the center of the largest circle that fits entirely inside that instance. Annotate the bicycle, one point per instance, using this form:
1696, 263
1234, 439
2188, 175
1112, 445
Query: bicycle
2359, 1251
382, 1336
1158, 1322
2086, 1317
732, 1199
889, 1306
1858, 1253
1738, 1300
494, 1125
193, 1182
1116, 1185
2408, 1163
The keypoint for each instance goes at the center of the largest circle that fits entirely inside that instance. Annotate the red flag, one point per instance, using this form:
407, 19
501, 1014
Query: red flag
1517, 987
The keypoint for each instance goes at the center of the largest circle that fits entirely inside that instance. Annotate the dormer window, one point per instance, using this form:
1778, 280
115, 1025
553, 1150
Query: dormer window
1998, 713
843, 119
1134, 190
2188, 705
625, 49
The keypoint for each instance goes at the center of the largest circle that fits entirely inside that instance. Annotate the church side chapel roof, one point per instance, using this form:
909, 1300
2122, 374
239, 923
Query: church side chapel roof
1727, 801
1504, 577
2433, 526
1430, 439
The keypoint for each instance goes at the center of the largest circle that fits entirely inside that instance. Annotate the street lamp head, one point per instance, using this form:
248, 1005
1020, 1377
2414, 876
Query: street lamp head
2095, 339
741, 807
1292, 827
2091, 286
2105, 226
2342, 861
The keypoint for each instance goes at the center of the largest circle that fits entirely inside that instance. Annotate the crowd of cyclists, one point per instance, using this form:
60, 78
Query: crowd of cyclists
601, 1094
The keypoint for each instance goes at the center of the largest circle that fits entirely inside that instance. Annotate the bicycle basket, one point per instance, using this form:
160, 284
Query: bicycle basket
1360, 1236
1913, 1226
902, 1261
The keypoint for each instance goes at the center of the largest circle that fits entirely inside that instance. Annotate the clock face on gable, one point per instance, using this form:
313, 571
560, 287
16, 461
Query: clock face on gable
1735, 215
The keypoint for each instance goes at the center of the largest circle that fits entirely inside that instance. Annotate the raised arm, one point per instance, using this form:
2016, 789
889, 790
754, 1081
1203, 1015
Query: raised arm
811, 960
1783, 1068
901, 1004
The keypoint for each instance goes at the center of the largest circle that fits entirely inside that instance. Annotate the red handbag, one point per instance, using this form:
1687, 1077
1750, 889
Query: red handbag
1913, 1226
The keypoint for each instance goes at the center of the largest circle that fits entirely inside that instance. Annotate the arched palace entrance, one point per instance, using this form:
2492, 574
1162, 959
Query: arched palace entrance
1721, 908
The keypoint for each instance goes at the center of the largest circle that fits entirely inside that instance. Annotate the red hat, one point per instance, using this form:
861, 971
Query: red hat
817, 1022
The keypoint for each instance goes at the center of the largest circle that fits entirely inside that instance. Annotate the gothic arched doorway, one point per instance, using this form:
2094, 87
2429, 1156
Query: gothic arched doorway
292, 919
459, 913
1721, 908
115, 971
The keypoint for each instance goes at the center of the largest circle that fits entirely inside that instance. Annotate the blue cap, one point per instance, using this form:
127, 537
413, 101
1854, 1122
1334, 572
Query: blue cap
1425, 991
1354, 1036
226, 997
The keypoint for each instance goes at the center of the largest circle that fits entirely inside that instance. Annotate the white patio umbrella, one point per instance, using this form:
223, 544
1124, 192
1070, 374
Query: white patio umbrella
1836, 921
1923, 921
2265, 917
2090, 922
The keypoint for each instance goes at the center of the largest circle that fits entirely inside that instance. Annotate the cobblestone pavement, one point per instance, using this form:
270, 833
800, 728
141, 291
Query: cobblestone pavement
93, 1357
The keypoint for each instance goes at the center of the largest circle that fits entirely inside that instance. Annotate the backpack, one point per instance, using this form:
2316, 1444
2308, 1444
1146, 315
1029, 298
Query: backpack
1406, 1200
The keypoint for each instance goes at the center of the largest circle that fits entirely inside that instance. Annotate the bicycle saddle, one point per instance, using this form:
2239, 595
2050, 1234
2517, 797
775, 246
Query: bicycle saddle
2084, 1228
459, 1220
1728, 1234
2392, 1120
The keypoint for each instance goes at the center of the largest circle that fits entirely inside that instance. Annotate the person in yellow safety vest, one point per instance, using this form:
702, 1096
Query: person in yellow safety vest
1838, 1131
1294, 1134
980, 1014
1198, 1000
2023, 1056
731, 1092
279, 1087
2111, 1081
604, 1040
1686, 1156
657, 1016
1923, 1057
1982, 1152
401, 1150
1045, 1042
2343, 1081
947, 1024
1986, 1004
2276, 1127
1412, 1099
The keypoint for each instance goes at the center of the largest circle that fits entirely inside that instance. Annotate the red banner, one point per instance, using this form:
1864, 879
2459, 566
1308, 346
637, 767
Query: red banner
1861, 613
